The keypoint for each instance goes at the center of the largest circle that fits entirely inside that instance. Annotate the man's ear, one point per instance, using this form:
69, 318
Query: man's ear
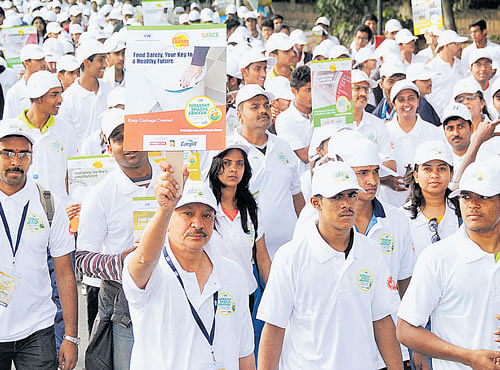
316, 202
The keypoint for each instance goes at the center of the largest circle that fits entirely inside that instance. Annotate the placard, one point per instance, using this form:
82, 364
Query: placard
154, 11
331, 92
427, 15
85, 172
143, 209
13, 39
176, 88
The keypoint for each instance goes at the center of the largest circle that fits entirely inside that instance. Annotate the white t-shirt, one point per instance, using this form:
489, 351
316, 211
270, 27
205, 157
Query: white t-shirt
457, 284
16, 100
166, 335
31, 307
375, 130
327, 303
405, 145
274, 181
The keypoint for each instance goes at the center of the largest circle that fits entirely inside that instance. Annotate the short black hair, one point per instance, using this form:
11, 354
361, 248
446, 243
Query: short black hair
232, 23
267, 23
481, 23
365, 29
2, 12
277, 16
300, 76
369, 17
283, 27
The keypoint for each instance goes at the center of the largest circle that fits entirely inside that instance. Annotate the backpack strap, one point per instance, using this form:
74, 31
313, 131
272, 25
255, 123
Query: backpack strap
47, 201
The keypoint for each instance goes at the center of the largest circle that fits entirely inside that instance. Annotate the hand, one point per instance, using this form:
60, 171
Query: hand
190, 73
485, 131
275, 109
395, 183
420, 362
126, 252
68, 355
483, 359
166, 188
73, 210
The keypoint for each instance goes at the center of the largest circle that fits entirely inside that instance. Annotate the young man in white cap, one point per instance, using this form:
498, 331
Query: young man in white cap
68, 70
177, 282
295, 124
75, 15
106, 235
390, 73
280, 46
115, 55
324, 22
85, 99
391, 29
306, 328
75, 31
251, 24
421, 76
447, 69
455, 282
481, 68
407, 130
479, 35
16, 100
253, 66
26, 309
406, 41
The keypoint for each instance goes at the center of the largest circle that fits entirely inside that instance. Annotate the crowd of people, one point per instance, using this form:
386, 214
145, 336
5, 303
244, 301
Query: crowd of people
371, 245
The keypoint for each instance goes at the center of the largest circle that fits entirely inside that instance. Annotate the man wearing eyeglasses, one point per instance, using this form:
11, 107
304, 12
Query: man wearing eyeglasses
456, 282
26, 308
362, 36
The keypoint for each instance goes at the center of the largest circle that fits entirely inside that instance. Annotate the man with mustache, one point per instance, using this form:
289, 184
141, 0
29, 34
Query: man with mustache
275, 180
189, 304
456, 282
26, 308
329, 290
106, 236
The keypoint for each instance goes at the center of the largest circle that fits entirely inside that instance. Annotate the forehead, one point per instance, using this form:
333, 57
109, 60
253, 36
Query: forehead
406, 93
259, 99
233, 154
481, 61
455, 121
261, 64
362, 83
200, 207
15, 142
435, 162
345, 192
366, 168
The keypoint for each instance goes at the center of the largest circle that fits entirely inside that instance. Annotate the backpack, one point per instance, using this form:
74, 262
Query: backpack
47, 201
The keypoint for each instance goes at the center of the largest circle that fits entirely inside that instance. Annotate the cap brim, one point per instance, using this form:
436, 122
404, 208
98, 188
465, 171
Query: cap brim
340, 190
484, 192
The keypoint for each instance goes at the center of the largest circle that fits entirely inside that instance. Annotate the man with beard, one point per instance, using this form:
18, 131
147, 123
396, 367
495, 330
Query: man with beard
26, 309
106, 236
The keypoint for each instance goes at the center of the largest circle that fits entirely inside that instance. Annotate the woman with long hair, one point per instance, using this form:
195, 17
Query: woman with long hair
41, 27
237, 219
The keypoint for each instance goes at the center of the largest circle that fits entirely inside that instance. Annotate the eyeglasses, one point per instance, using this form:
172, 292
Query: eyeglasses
22, 156
433, 227
359, 88
462, 98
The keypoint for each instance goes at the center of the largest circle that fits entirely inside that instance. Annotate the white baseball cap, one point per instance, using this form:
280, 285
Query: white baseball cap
387, 50
62, 17
194, 16
177, 10
110, 120
254, 56
14, 127
183, 18
280, 88
298, 37
403, 85
75, 28
230, 9
404, 36
480, 177
112, 45
67, 63
196, 191
249, 91
323, 20
393, 25
116, 97
88, 48
321, 50
448, 37
433, 150
333, 178
495, 86
242, 11
115, 14
74, 11
358, 75
456, 110
389, 69
31, 51
319, 30
40, 83
365, 54
418, 71
482, 53
250, 15
194, 6
243, 147
466, 86
337, 51
52, 50
278, 41
54, 27
206, 15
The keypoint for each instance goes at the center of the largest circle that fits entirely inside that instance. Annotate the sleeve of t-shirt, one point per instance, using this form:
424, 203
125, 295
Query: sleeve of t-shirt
60, 240
407, 252
291, 131
92, 229
385, 297
295, 179
423, 293
10, 105
384, 142
137, 297
246, 334
277, 301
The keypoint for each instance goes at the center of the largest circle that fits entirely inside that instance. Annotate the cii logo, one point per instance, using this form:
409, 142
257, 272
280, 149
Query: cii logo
147, 35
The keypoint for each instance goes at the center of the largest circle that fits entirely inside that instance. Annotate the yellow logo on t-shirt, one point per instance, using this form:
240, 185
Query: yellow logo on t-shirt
226, 304
34, 222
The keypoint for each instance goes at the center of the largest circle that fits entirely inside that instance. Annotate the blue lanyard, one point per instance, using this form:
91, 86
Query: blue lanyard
209, 338
19, 230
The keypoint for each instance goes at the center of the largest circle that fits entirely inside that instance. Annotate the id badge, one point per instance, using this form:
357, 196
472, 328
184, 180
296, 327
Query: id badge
213, 366
8, 283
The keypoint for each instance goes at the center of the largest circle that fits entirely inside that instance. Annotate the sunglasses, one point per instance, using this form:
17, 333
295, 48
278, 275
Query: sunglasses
433, 227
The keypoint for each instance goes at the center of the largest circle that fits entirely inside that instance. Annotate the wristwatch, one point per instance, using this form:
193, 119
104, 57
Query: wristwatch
76, 341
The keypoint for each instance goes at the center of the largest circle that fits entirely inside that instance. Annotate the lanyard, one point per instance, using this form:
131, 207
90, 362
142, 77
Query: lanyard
19, 230
209, 338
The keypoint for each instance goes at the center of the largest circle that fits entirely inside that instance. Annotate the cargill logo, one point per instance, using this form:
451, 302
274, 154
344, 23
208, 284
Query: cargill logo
189, 143
180, 40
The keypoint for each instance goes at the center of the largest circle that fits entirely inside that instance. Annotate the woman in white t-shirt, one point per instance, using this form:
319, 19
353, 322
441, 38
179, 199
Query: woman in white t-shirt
237, 220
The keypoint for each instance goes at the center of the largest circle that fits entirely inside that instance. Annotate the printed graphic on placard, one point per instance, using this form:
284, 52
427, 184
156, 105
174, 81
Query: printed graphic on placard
427, 15
176, 89
154, 11
13, 39
331, 92
143, 209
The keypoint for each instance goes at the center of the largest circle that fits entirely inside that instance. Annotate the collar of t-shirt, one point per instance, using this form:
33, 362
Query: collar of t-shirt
142, 181
262, 148
387, 112
378, 211
306, 116
349, 244
49, 123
